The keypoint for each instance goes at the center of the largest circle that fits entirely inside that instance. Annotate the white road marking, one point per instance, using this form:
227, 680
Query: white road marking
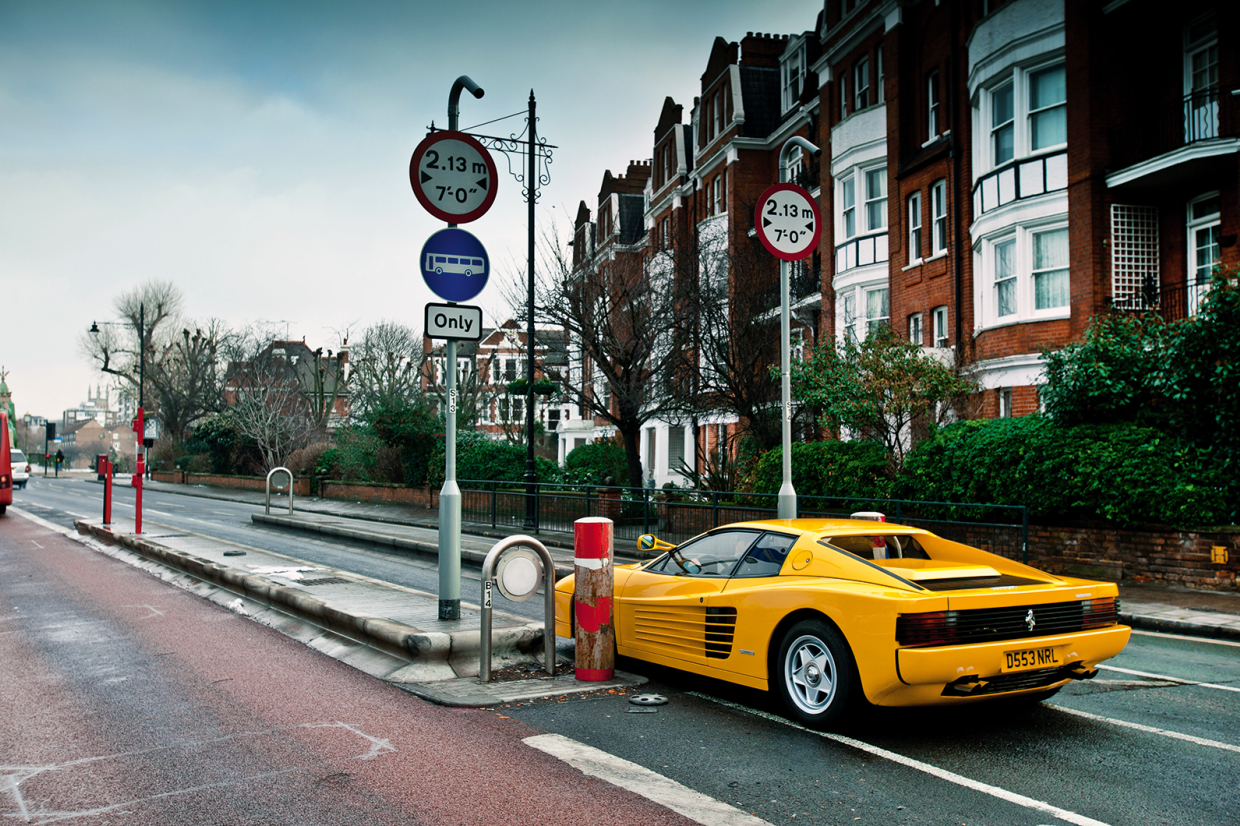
1232, 643
1165, 678
935, 771
1201, 741
641, 780
152, 510
36, 544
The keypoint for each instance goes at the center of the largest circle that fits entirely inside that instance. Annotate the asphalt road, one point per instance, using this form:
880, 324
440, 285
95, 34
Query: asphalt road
1127, 748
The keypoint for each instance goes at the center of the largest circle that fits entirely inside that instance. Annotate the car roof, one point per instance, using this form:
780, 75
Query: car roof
822, 526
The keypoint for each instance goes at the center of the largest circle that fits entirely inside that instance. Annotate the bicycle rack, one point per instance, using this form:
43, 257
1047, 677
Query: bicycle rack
519, 576
289, 488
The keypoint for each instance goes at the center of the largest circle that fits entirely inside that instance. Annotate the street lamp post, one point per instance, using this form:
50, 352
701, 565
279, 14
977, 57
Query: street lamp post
140, 421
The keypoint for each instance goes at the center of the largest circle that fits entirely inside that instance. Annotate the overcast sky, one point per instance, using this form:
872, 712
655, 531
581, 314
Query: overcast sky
256, 153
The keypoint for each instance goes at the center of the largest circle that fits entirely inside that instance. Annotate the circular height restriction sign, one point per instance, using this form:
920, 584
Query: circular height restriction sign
453, 176
788, 222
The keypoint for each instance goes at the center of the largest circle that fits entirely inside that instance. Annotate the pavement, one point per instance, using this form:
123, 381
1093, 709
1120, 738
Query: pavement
395, 634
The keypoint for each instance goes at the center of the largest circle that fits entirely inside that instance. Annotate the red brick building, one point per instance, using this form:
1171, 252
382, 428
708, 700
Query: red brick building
994, 174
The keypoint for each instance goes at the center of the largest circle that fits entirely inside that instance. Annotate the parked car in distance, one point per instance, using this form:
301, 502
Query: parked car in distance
21, 468
827, 612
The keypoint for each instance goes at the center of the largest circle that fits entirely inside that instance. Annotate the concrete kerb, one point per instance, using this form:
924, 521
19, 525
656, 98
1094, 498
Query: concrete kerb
388, 636
414, 545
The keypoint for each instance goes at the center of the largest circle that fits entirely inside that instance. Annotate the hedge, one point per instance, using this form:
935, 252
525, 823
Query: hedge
1122, 473
830, 468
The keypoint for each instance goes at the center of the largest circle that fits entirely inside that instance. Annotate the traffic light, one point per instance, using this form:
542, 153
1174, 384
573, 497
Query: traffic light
51, 431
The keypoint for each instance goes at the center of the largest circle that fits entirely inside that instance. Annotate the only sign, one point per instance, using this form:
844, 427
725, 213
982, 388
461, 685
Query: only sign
788, 222
453, 176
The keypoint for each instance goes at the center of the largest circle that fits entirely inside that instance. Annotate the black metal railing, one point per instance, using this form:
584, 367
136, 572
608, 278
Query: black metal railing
1201, 116
680, 515
1172, 303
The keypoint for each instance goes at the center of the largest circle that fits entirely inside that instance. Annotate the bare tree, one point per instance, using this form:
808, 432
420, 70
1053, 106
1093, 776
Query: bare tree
620, 321
386, 367
182, 371
267, 399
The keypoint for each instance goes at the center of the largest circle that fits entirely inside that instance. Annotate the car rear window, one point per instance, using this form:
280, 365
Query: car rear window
879, 546
17, 456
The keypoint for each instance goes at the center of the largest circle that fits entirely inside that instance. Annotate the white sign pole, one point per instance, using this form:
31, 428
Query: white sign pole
450, 493
786, 503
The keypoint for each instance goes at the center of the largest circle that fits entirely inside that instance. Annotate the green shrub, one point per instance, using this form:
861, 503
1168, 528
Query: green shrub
481, 458
600, 463
830, 468
1121, 473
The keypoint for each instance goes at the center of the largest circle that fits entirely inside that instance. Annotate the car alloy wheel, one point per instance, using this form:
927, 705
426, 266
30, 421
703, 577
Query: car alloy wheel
815, 676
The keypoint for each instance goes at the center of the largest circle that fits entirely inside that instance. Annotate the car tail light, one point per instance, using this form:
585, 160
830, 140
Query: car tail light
1099, 613
27, 468
930, 628
5, 481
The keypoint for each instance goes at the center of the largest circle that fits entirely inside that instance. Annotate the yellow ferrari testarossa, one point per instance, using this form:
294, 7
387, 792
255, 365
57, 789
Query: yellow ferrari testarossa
825, 611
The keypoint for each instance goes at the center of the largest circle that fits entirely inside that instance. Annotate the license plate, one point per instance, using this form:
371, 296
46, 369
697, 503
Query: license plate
1027, 659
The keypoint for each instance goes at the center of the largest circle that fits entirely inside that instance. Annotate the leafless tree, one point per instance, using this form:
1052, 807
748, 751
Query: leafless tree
386, 367
267, 398
621, 321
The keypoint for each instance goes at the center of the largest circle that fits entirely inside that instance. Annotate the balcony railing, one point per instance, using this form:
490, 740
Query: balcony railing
1202, 116
1171, 303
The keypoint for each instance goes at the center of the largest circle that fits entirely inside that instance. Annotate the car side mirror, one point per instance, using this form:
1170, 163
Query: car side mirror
650, 542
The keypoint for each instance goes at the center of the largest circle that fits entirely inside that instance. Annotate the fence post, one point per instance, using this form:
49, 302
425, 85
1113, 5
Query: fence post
494, 487
645, 510
594, 635
1024, 534
714, 508
899, 510
537, 505
588, 491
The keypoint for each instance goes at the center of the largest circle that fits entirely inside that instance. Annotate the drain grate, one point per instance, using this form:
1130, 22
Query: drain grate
327, 580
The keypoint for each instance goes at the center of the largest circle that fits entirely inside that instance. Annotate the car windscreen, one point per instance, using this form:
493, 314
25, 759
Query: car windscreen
879, 546
712, 555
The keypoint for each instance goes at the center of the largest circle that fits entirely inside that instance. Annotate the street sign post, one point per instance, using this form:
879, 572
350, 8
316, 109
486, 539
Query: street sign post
453, 177
788, 222
454, 264
789, 225
456, 322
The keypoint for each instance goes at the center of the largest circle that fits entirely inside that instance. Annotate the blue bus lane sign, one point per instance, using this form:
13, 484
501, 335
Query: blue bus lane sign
454, 264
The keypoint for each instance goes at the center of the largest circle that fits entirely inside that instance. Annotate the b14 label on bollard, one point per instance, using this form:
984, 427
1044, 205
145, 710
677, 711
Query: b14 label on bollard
460, 322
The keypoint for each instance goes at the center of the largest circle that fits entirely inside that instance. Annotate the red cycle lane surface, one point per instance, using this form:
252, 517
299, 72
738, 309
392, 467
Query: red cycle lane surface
124, 700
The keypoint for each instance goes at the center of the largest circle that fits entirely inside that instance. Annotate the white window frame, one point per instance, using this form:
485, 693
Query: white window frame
1005, 402
1019, 81
861, 84
1024, 291
938, 217
872, 322
879, 91
871, 199
914, 228
916, 334
792, 70
933, 107
938, 320
1201, 110
848, 206
1197, 288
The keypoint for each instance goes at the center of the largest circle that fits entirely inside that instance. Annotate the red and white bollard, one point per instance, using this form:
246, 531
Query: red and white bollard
594, 587
108, 473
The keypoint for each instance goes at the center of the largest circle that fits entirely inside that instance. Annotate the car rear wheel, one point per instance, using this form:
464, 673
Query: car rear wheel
816, 676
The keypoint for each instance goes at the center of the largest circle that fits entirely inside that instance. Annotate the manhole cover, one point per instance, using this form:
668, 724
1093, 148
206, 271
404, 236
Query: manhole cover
648, 700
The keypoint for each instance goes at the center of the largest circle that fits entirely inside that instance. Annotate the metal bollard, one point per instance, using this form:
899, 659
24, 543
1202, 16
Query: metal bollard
594, 588
525, 582
109, 473
287, 473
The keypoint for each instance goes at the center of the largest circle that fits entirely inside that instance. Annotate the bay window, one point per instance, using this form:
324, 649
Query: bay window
1025, 275
849, 204
876, 199
1050, 269
1024, 114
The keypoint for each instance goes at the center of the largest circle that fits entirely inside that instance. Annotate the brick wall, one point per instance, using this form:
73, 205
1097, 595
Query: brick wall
423, 497
1167, 556
301, 487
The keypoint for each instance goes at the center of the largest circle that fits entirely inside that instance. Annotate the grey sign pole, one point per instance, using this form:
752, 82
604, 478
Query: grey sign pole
786, 504
450, 493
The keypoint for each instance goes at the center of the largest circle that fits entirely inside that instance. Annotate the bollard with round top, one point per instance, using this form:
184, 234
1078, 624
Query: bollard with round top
594, 586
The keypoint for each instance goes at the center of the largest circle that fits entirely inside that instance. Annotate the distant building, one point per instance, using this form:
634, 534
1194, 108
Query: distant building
97, 407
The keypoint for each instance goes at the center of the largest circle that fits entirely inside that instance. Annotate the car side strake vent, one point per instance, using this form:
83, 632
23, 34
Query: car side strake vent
961, 584
720, 631
686, 632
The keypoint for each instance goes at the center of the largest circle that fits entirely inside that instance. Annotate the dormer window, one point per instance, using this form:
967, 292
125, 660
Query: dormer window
792, 77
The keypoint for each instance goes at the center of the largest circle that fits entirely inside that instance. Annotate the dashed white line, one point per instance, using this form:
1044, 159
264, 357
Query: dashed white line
653, 786
1200, 741
935, 771
1167, 679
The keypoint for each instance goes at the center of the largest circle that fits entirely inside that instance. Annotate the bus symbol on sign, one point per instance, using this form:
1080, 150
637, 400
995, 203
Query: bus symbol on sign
452, 264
